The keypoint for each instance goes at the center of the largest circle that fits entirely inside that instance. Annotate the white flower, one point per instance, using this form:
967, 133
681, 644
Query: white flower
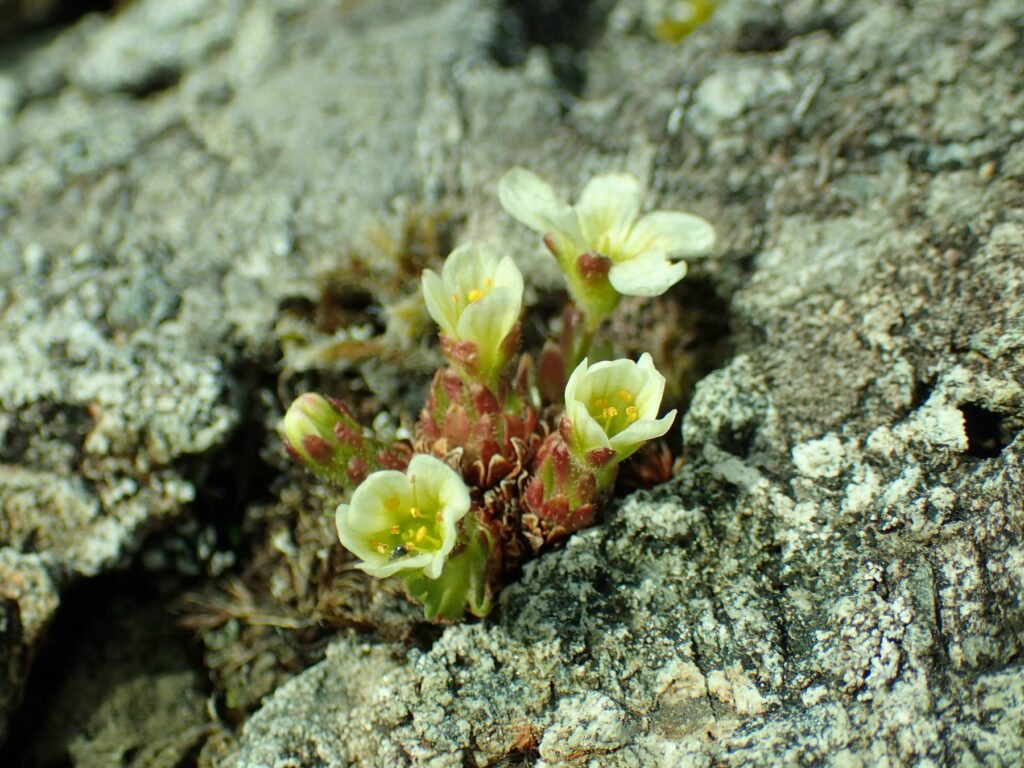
478, 299
614, 405
604, 222
405, 521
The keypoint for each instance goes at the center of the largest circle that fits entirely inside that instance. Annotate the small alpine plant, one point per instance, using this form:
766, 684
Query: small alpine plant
508, 457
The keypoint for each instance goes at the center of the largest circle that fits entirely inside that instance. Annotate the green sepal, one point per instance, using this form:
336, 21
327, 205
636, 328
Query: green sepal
463, 585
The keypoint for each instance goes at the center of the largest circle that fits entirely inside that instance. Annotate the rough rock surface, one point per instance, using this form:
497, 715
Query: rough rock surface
836, 575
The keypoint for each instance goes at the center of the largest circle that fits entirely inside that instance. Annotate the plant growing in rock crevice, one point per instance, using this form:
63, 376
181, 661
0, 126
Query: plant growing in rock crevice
508, 456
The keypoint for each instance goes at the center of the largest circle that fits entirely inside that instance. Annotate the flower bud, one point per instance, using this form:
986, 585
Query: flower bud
613, 406
322, 435
476, 301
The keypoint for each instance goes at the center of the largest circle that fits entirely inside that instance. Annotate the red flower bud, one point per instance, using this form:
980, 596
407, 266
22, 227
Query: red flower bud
318, 449
598, 457
593, 266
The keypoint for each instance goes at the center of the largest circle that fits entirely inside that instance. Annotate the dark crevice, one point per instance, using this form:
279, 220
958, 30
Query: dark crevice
235, 476
988, 432
564, 28
770, 32
923, 389
108, 630
18, 17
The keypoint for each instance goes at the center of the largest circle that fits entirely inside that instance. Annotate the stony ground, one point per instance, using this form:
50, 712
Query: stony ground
206, 206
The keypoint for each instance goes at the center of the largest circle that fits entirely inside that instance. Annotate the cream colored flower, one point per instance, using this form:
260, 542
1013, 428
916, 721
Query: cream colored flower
477, 299
644, 253
405, 521
614, 405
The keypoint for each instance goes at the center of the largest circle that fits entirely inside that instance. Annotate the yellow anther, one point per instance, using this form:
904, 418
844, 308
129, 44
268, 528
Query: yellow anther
393, 502
421, 534
610, 412
625, 395
415, 512
395, 530
381, 547
488, 282
475, 295
602, 403
631, 413
455, 298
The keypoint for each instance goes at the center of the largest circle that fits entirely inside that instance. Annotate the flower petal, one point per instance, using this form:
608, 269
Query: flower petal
606, 209
573, 382
649, 395
487, 321
673, 233
586, 432
531, 200
633, 436
439, 301
508, 275
649, 275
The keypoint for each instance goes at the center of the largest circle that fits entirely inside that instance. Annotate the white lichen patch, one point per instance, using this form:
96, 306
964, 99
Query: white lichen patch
938, 423
589, 723
819, 458
734, 687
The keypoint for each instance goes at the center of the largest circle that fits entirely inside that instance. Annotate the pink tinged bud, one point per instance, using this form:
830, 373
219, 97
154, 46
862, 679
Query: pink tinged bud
561, 464
535, 494
341, 405
484, 400
523, 370
465, 353
483, 430
555, 510
549, 243
318, 449
389, 460
457, 425
583, 516
586, 487
598, 457
347, 435
551, 372
452, 386
510, 343
356, 469
593, 266
292, 453
429, 428
565, 429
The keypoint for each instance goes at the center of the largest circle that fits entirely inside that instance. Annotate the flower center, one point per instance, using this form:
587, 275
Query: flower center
474, 294
418, 530
614, 412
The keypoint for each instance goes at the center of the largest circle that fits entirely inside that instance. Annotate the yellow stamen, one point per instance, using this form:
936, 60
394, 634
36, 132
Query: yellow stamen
631, 413
414, 512
381, 547
475, 295
625, 395
610, 412
395, 530
421, 534
602, 403
488, 282
393, 502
